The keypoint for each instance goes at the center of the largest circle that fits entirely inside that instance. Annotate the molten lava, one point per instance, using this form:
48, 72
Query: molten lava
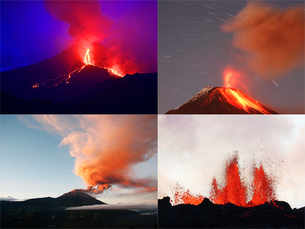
87, 58
234, 190
187, 198
242, 101
235, 97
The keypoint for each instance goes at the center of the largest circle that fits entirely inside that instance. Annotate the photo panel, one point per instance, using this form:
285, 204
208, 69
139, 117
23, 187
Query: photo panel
231, 57
78, 171
231, 171
78, 57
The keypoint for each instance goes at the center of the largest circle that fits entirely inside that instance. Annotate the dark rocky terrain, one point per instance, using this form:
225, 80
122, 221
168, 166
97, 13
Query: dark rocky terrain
51, 212
91, 90
276, 214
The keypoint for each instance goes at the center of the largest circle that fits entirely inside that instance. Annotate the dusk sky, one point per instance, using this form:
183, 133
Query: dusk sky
30, 33
194, 52
36, 160
192, 149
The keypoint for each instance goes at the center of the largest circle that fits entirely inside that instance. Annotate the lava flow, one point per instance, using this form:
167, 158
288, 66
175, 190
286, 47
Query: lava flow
236, 97
234, 190
242, 101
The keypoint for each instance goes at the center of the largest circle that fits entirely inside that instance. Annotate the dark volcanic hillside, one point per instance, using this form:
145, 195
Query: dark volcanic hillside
70, 199
221, 100
91, 90
276, 214
51, 212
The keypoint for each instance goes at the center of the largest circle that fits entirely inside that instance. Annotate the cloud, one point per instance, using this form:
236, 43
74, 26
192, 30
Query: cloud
271, 38
107, 147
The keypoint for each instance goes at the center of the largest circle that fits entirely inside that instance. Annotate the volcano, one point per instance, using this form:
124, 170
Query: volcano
56, 213
63, 84
70, 199
275, 214
222, 100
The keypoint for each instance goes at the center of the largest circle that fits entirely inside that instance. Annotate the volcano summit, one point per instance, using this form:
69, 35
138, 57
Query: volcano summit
62, 84
222, 100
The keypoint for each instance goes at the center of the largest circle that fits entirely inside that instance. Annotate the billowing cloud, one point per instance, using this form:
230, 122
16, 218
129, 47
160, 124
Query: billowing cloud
272, 38
107, 147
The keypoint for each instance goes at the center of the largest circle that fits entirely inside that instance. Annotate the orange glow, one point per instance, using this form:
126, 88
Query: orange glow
228, 78
234, 190
87, 58
187, 198
234, 79
242, 101
262, 187
115, 70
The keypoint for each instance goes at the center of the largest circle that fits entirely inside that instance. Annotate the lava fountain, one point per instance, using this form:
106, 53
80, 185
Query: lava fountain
234, 190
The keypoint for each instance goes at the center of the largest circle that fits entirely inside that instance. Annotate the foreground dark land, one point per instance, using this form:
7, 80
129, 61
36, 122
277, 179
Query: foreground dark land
208, 215
46, 87
50, 212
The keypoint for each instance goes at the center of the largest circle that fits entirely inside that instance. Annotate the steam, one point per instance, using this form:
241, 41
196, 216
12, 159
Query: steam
106, 148
272, 38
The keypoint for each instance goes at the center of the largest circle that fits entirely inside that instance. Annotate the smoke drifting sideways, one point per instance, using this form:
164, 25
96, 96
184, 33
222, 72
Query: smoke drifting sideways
271, 38
127, 41
106, 148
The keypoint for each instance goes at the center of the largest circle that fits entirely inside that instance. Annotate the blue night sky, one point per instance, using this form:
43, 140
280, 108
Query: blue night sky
30, 34
34, 164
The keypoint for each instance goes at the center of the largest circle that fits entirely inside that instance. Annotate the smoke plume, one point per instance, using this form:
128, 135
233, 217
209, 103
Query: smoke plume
121, 41
106, 148
272, 38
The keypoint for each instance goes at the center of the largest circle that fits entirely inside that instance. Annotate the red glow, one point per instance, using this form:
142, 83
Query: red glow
234, 190
87, 58
187, 198
234, 79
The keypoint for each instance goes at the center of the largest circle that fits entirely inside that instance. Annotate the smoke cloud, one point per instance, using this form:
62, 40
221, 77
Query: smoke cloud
272, 38
127, 40
106, 148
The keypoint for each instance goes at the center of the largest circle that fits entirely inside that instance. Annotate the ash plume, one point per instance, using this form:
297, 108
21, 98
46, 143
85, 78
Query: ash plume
272, 38
124, 41
106, 148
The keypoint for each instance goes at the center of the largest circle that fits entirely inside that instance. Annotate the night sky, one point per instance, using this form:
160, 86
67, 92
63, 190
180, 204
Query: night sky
193, 53
30, 33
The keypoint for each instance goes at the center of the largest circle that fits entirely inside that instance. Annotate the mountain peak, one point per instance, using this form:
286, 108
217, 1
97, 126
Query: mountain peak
222, 100
77, 198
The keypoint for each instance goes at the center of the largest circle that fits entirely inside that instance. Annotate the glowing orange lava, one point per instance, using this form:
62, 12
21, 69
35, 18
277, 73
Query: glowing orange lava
234, 190
238, 99
115, 70
87, 58
187, 198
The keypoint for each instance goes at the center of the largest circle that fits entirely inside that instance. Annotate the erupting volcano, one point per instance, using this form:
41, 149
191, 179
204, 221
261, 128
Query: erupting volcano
230, 204
234, 191
223, 100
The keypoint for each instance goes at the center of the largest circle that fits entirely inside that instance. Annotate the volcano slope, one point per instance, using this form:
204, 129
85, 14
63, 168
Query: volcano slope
222, 100
51, 212
46, 88
276, 214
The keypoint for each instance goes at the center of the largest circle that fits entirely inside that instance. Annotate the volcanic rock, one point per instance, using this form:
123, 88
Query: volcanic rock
221, 100
275, 214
